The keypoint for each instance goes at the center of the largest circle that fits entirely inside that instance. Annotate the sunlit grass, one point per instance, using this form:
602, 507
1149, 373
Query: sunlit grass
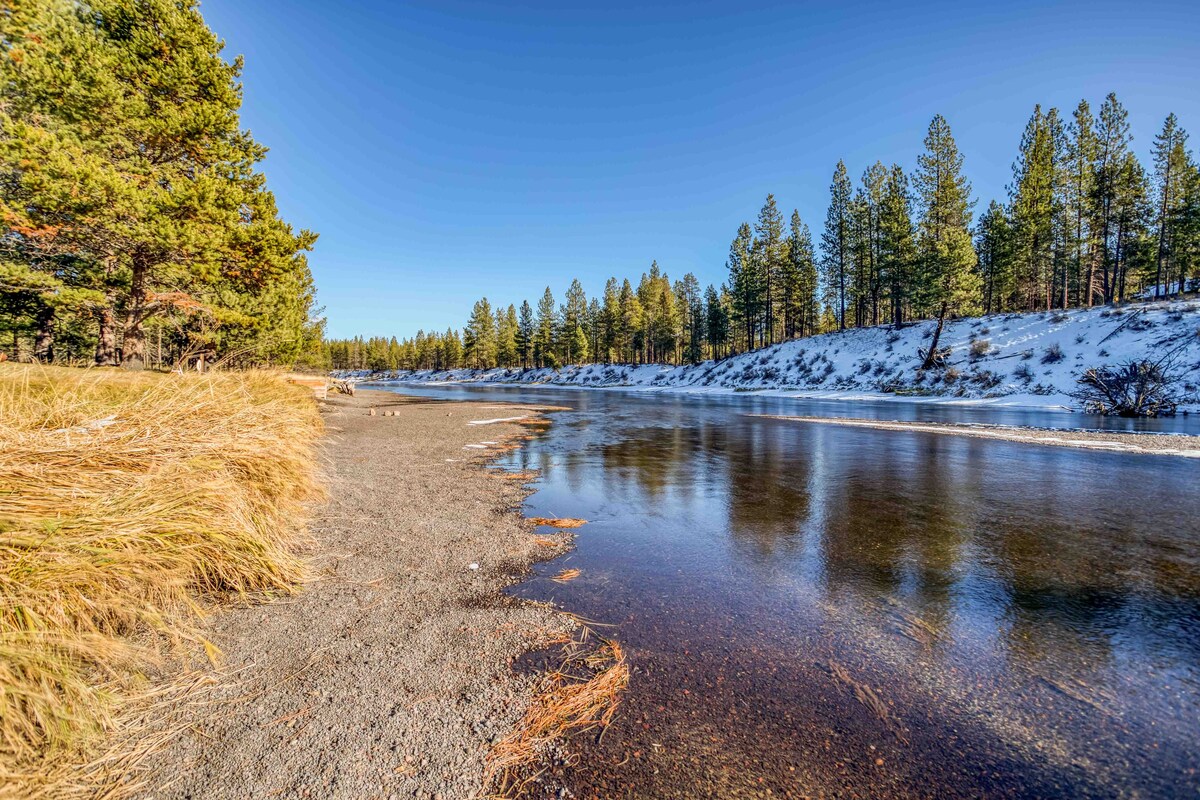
126, 501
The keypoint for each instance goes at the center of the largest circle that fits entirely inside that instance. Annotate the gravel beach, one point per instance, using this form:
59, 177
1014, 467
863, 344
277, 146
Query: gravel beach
389, 674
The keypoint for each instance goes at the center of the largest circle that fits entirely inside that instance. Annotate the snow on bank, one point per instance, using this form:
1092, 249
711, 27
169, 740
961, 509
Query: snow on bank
1005, 359
1145, 443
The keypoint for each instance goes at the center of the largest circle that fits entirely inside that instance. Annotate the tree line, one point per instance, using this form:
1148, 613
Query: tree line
137, 227
1084, 223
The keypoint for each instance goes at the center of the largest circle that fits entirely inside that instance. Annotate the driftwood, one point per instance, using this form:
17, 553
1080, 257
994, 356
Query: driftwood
938, 360
1132, 389
315, 382
344, 387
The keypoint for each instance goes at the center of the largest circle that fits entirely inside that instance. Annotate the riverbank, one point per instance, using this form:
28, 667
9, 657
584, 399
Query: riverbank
1122, 442
1029, 360
390, 674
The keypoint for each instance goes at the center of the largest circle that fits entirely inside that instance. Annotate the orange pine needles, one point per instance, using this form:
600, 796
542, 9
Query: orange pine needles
565, 704
558, 522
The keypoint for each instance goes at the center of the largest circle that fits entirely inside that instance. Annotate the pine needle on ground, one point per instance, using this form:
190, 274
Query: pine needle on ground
567, 702
558, 522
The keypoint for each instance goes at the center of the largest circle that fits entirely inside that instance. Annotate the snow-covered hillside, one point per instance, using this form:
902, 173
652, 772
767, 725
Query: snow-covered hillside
1011, 359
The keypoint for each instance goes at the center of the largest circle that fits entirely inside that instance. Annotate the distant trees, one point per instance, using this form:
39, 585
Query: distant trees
1082, 223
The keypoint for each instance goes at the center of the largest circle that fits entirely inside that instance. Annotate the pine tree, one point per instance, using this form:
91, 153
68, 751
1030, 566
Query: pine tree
897, 248
1080, 167
1035, 206
1131, 211
595, 327
691, 318
871, 196
479, 345
526, 333
507, 326
993, 243
800, 282
574, 324
716, 316
1112, 146
836, 244
451, 349
630, 324
944, 249
768, 263
1185, 248
611, 320
859, 280
128, 179
543, 342
789, 279
1172, 172
743, 283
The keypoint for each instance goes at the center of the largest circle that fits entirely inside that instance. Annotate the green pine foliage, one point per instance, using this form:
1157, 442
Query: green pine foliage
836, 245
137, 225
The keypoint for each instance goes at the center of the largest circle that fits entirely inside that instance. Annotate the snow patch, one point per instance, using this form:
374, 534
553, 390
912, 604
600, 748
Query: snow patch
1032, 360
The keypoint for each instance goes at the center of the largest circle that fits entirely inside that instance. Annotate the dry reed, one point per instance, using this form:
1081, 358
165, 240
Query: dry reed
566, 702
126, 500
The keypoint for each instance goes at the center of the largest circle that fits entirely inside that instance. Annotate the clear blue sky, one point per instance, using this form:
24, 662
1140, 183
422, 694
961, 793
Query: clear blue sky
447, 150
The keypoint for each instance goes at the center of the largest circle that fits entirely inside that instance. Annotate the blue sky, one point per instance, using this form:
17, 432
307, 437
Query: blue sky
446, 151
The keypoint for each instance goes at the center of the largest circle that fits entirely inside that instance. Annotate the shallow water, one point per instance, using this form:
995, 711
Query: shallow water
818, 610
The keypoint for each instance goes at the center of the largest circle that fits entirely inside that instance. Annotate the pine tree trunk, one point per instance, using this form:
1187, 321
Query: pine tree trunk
937, 335
133, 348
1091, 280
1065, 282
43, 342
1162, 234
106, 341
1118, 284
1107, 282
1079, 248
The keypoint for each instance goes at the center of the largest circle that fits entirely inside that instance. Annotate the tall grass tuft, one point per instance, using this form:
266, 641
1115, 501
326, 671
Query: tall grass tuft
128, 503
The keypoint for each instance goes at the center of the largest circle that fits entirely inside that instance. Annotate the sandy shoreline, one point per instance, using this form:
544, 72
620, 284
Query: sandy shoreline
389, 675
1117, 442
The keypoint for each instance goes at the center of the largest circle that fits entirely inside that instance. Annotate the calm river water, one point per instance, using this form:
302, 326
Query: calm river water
825, 611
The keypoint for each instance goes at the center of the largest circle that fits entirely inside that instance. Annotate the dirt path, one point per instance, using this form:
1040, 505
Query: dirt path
1148, 443
389, 675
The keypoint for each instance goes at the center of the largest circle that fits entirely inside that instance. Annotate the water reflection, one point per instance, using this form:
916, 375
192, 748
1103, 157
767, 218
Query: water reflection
833, 611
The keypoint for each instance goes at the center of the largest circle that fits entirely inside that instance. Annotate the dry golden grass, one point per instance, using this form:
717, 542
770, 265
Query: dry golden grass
567, 702
128, 499
558, 522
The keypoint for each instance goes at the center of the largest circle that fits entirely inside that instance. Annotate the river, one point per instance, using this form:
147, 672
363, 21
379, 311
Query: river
814, 610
